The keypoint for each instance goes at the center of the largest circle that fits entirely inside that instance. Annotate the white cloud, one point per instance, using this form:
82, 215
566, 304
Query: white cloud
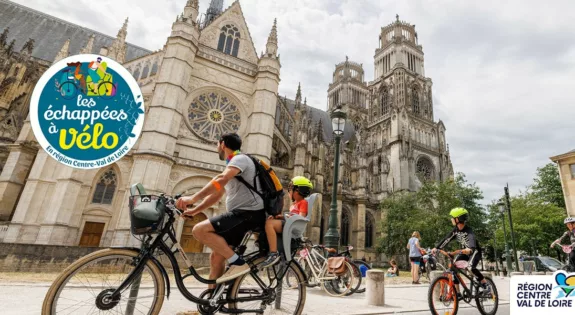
502, 70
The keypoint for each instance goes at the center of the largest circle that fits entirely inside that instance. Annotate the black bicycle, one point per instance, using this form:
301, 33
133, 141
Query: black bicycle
443, 296
129, 280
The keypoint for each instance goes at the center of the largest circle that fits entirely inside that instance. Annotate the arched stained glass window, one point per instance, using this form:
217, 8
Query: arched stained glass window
105, 188
425, 169
369, 229
415, 101
229, 41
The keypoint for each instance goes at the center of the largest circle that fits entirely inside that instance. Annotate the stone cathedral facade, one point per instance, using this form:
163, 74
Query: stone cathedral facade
207, 80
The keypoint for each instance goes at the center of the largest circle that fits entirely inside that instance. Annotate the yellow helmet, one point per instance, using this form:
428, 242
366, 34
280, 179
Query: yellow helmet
302, 185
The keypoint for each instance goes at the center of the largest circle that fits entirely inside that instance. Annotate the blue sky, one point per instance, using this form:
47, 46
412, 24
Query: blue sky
502, 71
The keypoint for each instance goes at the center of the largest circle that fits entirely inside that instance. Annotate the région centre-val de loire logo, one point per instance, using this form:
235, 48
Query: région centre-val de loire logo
87, 111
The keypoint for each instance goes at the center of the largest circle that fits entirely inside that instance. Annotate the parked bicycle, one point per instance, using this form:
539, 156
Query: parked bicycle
127, 280
428, 264
335, 276
443, 297
357, 276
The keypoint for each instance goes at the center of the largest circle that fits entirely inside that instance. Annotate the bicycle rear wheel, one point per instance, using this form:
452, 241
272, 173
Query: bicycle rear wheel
356, 282
487, 305
341, 285
288, 298
85, 287
442, 297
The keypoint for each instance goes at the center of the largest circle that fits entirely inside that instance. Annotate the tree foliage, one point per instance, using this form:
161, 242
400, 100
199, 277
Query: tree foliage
547, 185
427, 212
537, 214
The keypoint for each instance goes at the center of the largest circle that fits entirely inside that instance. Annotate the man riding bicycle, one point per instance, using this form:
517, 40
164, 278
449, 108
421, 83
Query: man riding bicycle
568, 236
245, 210
470, 250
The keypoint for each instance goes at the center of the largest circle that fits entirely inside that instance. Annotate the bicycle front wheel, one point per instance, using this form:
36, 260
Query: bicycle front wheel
86, 286
288, 297
442, 297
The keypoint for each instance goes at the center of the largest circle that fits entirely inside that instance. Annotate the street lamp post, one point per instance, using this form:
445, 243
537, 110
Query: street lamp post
338, 123
508, 204
495, 254
507, 256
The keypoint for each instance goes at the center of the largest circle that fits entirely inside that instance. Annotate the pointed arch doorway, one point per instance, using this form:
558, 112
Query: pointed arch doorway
187, 240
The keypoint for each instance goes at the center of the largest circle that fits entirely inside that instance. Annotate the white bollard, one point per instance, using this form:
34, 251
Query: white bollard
374, 289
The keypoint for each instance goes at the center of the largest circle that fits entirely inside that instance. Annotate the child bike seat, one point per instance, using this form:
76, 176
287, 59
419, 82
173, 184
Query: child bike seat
295, 227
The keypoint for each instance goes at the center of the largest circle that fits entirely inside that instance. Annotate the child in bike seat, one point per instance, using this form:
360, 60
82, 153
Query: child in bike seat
299, 188
470, 250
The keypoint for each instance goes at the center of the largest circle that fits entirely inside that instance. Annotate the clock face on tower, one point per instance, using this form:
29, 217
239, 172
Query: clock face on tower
212, 114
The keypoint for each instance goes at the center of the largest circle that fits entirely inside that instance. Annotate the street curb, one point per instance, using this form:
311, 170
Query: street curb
413, 311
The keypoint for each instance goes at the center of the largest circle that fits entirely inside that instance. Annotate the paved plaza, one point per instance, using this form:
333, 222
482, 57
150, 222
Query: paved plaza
27, 298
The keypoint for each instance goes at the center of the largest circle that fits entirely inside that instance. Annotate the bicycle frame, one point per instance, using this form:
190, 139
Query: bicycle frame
312, 258
158, 243
454, 271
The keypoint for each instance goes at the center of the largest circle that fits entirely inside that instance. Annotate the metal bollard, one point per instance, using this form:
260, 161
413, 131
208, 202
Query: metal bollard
375, 287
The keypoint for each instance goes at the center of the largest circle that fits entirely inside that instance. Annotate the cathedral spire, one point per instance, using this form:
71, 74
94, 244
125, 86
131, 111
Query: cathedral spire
214, 10
320, 131
4, 37
64, 51
123, 31
118, 49
298, 94
89, 45
191, 11
28, 47
272, 44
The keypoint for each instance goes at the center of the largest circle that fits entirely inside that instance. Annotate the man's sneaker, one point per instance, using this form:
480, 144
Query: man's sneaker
273, 258
236, 269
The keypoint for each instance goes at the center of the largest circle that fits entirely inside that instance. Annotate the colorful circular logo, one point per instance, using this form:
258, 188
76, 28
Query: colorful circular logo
87, 111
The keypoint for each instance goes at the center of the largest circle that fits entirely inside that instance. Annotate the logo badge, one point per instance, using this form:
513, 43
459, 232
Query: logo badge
87, 111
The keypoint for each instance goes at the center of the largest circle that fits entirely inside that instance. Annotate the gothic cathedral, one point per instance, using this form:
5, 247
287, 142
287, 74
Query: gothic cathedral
207, 80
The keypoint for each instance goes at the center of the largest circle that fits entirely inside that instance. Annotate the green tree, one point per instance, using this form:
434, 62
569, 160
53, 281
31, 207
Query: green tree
537, 222
547, 185
427, 212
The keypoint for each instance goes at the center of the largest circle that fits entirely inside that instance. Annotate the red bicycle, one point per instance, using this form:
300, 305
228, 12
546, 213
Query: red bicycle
443, 295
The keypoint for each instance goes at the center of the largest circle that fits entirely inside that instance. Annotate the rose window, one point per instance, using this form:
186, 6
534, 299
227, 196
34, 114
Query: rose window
425, 169
213, 114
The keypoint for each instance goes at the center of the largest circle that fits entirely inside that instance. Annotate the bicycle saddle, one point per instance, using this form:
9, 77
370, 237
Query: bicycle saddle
331, 250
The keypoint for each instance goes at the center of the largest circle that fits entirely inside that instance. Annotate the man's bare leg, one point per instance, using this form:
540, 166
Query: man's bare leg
205, 233
217, 267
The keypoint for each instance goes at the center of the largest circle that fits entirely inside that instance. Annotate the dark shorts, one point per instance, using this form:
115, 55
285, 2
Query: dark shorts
415, 260
233, 225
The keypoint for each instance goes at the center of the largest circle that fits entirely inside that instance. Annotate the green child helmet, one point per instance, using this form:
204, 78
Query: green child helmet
302, 185
460, 213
